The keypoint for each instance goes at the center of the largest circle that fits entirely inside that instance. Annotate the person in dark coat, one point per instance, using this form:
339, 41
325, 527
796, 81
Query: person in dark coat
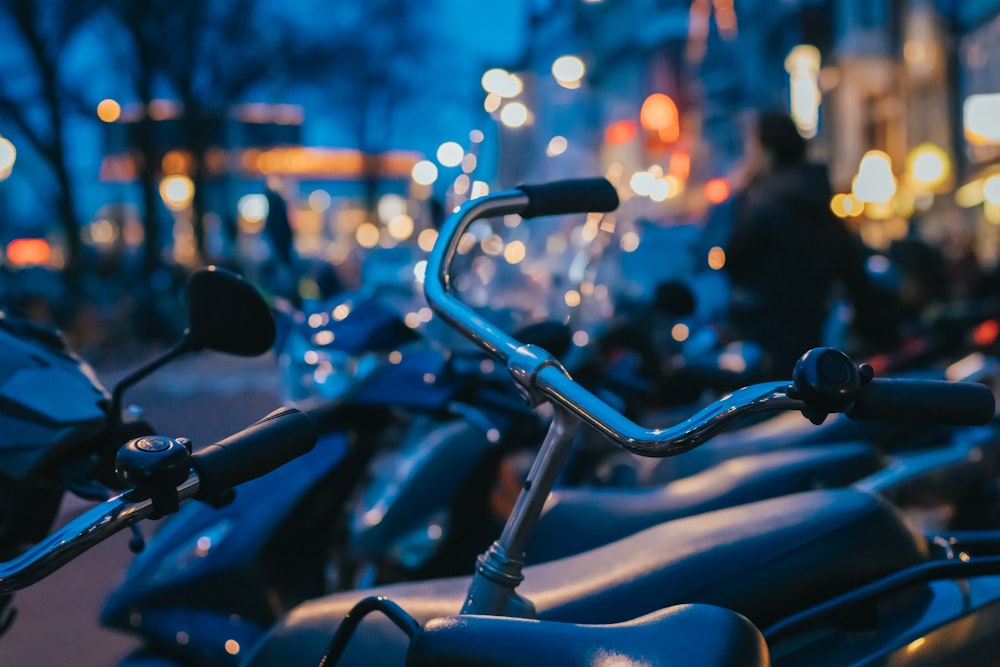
787, 251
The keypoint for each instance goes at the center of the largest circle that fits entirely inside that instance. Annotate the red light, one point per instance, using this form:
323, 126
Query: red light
621, 132
986, 333
22, 252
717, 190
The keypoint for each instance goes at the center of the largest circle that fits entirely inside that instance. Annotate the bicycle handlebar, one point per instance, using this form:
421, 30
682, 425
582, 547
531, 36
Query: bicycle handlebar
540, 377
254, 451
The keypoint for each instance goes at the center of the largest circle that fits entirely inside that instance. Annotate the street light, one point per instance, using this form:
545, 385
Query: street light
177, 192
928, 166
874, 183
8, 155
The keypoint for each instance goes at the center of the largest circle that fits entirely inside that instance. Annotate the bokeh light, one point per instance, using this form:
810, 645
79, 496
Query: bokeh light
109, 110
424, 172
450, 154
568, 71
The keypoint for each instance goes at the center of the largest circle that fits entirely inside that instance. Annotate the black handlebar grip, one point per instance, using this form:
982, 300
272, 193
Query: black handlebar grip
924, 401
584, 195
269, 443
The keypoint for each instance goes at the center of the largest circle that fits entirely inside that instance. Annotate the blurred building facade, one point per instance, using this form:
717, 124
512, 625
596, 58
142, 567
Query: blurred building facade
900, 97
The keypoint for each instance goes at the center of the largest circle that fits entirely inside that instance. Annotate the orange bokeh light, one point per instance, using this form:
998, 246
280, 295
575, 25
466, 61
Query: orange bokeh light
659, 114
680, 165
109, 110
24, 252
717, 190
621, 132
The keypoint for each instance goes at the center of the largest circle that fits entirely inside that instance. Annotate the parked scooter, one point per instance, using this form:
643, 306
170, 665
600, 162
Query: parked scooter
375, 389
403, 527
834, 576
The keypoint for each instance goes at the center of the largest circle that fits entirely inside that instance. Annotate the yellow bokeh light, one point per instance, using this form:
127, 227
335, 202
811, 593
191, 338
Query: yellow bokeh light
874, 182
400, 227
568, 70
426, 239
367, 235
928, 166
716, 258
450, 154
109, 110
680, 332
8, 155
514, 114
981, 118
177, 192
572, 298
492, 102
514, 252
252, 208
424, 172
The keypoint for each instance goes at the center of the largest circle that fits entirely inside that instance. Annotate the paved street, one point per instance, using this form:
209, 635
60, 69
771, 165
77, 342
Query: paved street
204, 398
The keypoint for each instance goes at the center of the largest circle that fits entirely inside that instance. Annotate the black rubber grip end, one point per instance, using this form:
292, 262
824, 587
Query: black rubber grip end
256, 450
585, 195
925, 401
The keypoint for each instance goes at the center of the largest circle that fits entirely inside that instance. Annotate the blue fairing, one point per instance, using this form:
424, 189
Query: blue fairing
419, 382
200, 539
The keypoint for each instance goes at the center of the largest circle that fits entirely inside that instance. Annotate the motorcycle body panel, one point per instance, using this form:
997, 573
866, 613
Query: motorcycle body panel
35, 424
412, 487
199, 581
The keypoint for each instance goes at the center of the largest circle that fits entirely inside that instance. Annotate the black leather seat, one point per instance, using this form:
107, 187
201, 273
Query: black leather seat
575, 520
764, 560
700, 635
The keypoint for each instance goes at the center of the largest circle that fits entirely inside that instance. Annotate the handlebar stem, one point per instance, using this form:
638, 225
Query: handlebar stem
498, 570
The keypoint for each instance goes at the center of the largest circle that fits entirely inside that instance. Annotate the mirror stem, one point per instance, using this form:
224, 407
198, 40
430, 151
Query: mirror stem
180, 347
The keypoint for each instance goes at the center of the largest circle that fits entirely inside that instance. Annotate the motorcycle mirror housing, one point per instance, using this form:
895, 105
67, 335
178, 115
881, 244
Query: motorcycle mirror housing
227, 314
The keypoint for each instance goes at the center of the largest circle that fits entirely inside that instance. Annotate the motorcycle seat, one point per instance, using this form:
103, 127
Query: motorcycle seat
765, 560
577, 519
705, 635
785, 431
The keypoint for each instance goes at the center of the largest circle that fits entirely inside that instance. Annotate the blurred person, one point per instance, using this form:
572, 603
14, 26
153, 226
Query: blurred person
280, 271
787, 253
287, 274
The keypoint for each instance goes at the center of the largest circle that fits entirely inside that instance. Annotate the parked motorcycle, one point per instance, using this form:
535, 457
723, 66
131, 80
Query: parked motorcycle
62, 429
832, 576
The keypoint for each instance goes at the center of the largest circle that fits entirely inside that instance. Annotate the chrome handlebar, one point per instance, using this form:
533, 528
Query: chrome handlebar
541, 378
85, 531
162, 472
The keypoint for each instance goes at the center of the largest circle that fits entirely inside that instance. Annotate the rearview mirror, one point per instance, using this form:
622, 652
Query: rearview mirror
227, 314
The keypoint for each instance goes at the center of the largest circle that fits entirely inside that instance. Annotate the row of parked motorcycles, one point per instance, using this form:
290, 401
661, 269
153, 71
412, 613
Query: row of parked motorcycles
497, 502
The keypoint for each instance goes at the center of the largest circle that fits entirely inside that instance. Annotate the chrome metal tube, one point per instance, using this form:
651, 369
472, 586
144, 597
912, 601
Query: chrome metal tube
79, 535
